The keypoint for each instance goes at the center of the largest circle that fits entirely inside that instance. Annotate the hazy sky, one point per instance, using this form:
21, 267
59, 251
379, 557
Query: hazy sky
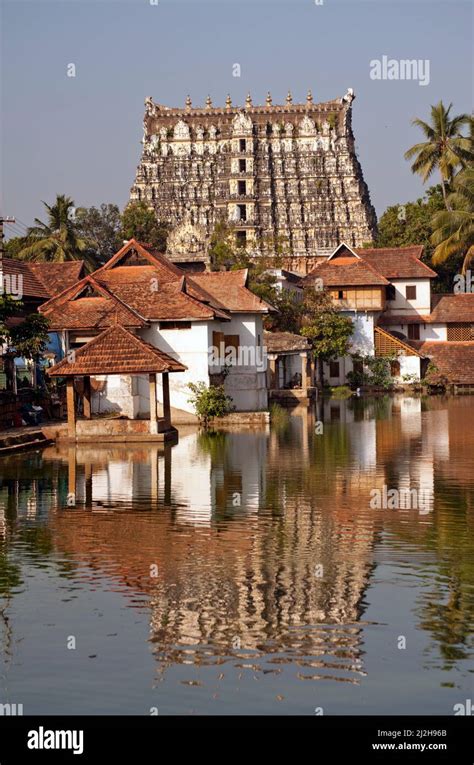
81, 136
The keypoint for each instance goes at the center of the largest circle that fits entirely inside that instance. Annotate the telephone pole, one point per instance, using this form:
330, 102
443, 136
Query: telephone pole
6, 219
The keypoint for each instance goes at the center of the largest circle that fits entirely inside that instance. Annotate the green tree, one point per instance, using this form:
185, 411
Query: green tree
102, 227
223, 251
209, 401
453, 233
445, 147
412, 223
57, 240
15, 245
28, 339
328, 330
139, 222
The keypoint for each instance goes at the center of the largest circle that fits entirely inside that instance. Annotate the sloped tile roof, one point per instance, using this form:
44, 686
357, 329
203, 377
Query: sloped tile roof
77, 309
24, 278
455, 360
453, 308
155, 289
228, 287
345, 272
43, 280
394, 264
57, 277
116, 351
414, 250
284, 342
91, 313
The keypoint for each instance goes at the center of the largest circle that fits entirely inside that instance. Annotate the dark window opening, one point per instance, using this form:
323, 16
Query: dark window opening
242, 187
242, 144
175, 325
413, 331
411, 292
390, 292
242, 212
241, 237
242, 165
333, 369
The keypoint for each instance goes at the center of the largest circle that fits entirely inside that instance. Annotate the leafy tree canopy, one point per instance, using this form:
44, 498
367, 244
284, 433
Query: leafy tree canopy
140, 223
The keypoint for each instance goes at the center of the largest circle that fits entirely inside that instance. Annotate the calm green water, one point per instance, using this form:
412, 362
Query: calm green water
246, 572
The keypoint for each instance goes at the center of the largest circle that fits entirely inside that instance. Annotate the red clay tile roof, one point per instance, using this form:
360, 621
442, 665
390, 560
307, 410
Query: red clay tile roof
116, 351
397, 265
89, 305
155, 299
455, 360
132, 250
43, 280
228, 287
285, 342
453, 308
154, 289
23, 279
345, 272
56, 277
414, 250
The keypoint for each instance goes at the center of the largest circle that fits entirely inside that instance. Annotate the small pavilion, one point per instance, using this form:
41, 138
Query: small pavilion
290, 373
117, 351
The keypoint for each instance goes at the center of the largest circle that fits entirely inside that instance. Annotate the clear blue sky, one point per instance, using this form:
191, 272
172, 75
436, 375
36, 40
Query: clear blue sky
81, 136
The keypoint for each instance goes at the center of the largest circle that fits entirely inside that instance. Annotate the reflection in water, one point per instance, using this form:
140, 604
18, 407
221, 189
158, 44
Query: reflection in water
259, 551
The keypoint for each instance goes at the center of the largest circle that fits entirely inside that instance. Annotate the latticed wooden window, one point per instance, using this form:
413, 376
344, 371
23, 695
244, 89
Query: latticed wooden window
460, 331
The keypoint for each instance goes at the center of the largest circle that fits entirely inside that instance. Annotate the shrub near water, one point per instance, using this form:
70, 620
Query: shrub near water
209, 401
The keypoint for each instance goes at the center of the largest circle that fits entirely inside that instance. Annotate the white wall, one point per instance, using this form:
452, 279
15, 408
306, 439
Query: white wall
421, 305
246, 382
409, 365
190, 346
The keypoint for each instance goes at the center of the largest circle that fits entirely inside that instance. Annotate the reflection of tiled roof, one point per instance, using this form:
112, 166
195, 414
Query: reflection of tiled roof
41, 280
345, 272
415, 250
397, 265
228, 287
453, 308
455, 360
116, 351
284, 342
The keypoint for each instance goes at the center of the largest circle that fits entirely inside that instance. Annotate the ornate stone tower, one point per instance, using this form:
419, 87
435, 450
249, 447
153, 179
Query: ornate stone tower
280, 173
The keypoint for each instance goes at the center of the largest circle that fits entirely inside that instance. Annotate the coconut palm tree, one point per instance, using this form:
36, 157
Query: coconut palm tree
57, 240
453, 229
445, 148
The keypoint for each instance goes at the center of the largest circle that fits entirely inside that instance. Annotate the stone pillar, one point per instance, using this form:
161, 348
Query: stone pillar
71, 412
312, 368
272, 372
166, 400
153, 417
86, 397
304, 371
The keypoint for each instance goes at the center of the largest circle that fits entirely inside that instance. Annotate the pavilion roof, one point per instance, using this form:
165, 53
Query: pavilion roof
116, 351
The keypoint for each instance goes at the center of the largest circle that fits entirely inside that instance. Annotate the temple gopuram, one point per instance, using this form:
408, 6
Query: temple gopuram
280, 174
